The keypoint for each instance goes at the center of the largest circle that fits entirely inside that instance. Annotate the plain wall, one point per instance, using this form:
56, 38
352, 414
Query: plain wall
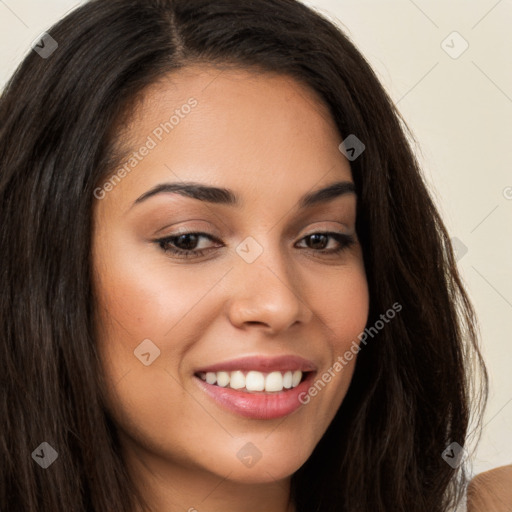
459, 108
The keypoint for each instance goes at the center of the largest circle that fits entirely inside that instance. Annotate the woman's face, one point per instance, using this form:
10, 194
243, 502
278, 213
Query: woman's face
265, 299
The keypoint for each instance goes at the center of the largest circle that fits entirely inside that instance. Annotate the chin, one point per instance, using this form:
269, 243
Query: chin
250, 465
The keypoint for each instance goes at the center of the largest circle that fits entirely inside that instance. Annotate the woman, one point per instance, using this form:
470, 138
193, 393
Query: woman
225, 284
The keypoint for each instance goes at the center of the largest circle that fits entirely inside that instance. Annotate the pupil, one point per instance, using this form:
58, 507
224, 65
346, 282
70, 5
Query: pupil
187, 246
315, 239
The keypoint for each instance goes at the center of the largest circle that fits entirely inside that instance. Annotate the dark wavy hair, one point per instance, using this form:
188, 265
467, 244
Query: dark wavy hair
415, 387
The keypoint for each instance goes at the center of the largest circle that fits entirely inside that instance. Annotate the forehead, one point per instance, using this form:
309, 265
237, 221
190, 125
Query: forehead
221, 85
247, 106
248, 130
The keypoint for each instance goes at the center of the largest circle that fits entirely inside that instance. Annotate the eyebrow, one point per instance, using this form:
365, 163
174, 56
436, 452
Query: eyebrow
224, 196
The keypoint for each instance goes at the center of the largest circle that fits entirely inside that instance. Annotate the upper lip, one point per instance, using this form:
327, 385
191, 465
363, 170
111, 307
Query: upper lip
262, 364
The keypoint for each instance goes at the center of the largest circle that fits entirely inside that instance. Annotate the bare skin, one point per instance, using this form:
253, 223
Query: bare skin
491, 491
271, 141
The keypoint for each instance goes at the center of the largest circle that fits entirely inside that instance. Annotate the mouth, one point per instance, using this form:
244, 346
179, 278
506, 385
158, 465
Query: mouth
258, 388
257, 404
254, 381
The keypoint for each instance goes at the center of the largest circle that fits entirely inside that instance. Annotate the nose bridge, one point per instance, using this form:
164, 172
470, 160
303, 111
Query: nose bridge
266, 289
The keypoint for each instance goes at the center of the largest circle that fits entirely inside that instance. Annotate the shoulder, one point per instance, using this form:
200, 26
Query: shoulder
491, 491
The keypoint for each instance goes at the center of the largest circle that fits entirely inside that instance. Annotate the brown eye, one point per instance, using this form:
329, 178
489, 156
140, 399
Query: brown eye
184, 245
319, 241
187, 242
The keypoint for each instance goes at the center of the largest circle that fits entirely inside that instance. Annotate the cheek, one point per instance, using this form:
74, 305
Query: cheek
140, 298
341, 301
142, 304
145, 296
342, 305
346, 312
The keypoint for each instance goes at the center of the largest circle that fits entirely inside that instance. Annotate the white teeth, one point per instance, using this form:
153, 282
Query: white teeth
253, 380
297, 375
237, 380
211, 377
222, 379
274, 381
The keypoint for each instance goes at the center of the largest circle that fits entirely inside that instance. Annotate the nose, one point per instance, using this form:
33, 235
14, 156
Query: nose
267, 292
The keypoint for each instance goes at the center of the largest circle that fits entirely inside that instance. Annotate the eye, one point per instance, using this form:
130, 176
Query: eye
319, 240
184, 245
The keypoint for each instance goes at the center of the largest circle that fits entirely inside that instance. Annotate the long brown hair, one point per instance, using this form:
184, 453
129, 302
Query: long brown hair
414, 385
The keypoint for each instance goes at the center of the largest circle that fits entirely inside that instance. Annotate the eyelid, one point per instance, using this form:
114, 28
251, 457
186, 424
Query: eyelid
316, 229
200, 225
182, 230
185, 230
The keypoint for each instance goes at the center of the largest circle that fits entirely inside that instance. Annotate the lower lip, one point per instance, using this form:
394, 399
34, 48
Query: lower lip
258, 406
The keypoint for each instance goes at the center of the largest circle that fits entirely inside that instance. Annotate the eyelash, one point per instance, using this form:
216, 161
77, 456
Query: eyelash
344, 240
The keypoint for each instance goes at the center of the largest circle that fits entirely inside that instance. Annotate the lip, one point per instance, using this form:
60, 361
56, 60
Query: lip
262, 364
257, 405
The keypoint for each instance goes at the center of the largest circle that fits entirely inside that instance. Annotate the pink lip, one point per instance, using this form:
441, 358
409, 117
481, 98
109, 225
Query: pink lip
259, 406
262, 364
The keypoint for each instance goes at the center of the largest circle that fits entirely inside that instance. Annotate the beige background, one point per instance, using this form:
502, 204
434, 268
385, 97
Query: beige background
460, 110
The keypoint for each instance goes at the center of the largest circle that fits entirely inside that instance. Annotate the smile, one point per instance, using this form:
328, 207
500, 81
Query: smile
254, 381
258, 387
